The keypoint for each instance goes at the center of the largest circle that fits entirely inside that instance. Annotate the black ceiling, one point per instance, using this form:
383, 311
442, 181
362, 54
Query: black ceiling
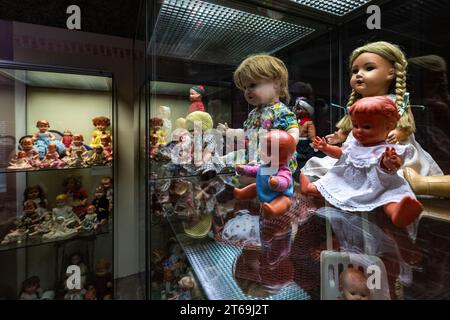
112, 17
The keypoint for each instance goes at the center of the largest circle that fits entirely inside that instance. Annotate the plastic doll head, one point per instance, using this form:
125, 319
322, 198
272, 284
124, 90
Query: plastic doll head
31, 285
373, 118
42, 125
105, 140
99, 192
67, 133
270, 153
303, 108
61, 200
21, 154
199, 118
101, 122
196, 93
180, 123
186, 283
77, 139
90, 209
26, 144
51, 148
106, 183
396, 67
353, 285
29, 207
263, 70
34, 192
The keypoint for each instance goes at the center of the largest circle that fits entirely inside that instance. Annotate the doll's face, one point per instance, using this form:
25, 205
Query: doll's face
33, 193
43, 127
194, 95
21, 154
77, 141
29, 208
61, 203
99, 194
26, 144
370, 129
302, 113
31, 288
354, 287
261, 92
106, 183
75, 259
371, 75
91, 210
101, 126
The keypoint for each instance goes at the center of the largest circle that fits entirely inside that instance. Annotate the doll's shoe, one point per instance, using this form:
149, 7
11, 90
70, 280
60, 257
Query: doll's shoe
404, 212
435, 186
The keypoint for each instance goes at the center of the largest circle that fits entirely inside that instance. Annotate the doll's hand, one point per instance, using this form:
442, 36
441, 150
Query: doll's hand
222, 128
391, 161
336, 137
273, 182
320, 143
397, 136
392, 137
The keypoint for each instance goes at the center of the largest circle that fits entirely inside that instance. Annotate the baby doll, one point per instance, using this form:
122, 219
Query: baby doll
67, 138
379, 68
76, 152
59, 230
20, 162
107, 147
353, 285
97, 158
107, 184
26, 145
365, 177
264, 80
51, 159
31, 289
101, 204
64, 210
206, 155
164, 114
30, 217
157, 136
274, 187
103, 281
45, 225
77, 196
196, 95
90, 222
101, 124
36, 194
304, 112
43, 138
18, 234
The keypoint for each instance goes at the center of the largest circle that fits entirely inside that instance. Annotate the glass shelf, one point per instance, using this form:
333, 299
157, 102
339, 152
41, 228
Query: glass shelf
33, 170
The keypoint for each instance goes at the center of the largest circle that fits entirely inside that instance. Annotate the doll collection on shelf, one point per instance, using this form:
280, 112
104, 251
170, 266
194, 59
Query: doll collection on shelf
45, 150
73, 214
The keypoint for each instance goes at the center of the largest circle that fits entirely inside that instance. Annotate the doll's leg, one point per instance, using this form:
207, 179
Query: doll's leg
306, 187
404, 212
248, 192
276, 207
433, 185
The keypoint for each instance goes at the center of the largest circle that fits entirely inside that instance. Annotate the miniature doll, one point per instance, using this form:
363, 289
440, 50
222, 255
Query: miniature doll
101, 205
45, 225
97, 158
31, 216
103, 281
364, 177
196, 95
91, 293
353, 285
305, 113
43, 138
187, 285
51, 159
77, 196
264, 80
31, 289
59, 230
377, 69
274, 187
67, 138
20, 162
77, 260
26, 144
64, 210
36, 193
76, 152
90, 222
107, 184
206, 160
107, 147
101, 124
164, 114
18, 234
157, 136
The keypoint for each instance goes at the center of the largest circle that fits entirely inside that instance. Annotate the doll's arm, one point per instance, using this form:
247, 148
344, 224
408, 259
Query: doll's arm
390, 161
295, 133
281, 181
322, 145
249, 171
51, 136
311, 130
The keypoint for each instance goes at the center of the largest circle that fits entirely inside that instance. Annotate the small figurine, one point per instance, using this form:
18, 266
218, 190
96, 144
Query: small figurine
97, 158
64, 210
353, 285
90, 222
101, 204
91, 293
77, 196
196, 95
59, 230
157, 136
107, 147
304, 112
274, 187
164, 114
103, 281
45, 225
26, 144
31, 216
51, 159
43, 138
66, 140
187, 285
76, 152
20, 162
101, 124
18, 234
31, 289
36, 193
107, 184
365, 176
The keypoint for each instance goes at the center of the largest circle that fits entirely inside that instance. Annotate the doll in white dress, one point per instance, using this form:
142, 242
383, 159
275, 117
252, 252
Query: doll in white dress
364, 177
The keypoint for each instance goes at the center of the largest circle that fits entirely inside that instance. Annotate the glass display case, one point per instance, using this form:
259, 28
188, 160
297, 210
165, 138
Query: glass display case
57, 181
204, 240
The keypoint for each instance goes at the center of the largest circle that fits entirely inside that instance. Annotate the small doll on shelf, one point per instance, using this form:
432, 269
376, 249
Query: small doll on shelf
51, 159
26, 145
77, 196
90, 222
353, 285
101, 124
66, 139
63, 209
101, 204
305, 113
59, 230
45, 225
365, 175
274, 186
196, 95
97, 158
44, 137
76, 152
18, 234
107, 147
20, 162
157, 136
107, 184
31, 289
164, 114
36, 194
103, 281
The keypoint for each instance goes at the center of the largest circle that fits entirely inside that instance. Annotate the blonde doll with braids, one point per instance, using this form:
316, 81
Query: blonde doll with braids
377, 69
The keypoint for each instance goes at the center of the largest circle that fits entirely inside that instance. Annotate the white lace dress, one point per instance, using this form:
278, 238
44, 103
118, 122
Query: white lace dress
357, 182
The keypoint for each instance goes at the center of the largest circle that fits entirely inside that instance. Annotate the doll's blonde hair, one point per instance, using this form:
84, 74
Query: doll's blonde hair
199, 116
395, 55
263, 66
61, 197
